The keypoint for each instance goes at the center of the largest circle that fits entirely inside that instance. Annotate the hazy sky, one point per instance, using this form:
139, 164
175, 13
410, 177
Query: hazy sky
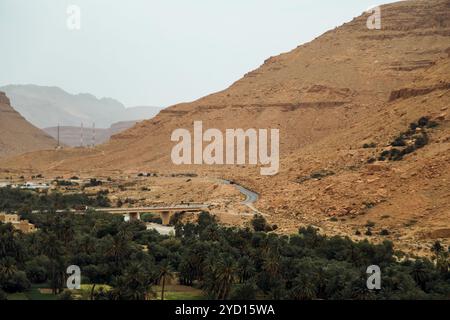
156, 52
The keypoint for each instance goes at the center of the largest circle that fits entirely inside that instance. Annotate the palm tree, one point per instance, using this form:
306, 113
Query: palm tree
54, 250
245, 269
420, 273
7, 267
134, 284
303, 289
119, 247
8, 245
164, 273
225, 271
437, 248
272, 264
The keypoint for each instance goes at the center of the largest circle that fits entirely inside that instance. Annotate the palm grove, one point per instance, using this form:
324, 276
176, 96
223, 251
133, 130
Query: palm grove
225, 262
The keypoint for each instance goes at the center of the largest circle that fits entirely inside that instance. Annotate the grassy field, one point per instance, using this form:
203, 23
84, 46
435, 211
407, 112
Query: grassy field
179, 292
33, 294
172, 292
84, 293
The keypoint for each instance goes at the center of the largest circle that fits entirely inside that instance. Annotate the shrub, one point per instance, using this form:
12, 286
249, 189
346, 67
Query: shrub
395, 155
16, 282
246, 291
432, 124
63, 183
384, 232
65, 295
321, 174
93, 183
368, 232
175, 219
368, 204
150, 217
385, 153
398, 142
36, 269
259, 223
370, 224
423, 121
408, 150
369, 145
421, 141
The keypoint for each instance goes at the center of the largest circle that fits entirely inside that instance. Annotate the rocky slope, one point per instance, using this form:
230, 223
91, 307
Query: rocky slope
17, 135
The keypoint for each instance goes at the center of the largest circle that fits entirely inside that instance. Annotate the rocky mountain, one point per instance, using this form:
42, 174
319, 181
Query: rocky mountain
72, 136
49, 106
17, 135
364, 130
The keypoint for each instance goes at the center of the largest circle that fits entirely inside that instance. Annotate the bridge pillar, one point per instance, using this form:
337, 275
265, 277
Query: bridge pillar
165, 217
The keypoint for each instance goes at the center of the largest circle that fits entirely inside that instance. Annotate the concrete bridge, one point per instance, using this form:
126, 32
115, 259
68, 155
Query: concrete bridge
166, 212
130, 214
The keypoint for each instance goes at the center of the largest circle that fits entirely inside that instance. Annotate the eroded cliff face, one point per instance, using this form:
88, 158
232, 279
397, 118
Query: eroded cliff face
4, 99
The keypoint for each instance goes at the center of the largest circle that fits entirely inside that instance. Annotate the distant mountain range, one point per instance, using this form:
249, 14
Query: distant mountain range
47, 107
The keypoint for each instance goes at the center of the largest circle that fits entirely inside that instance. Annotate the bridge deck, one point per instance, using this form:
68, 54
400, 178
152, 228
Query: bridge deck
153, 209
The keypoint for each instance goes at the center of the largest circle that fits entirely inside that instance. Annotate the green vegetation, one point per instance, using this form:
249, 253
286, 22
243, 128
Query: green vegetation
259, 223
369, 145
66, 183
216, 262
318, 175
93, 183
24, 200
407, 142
151, 217
370, 224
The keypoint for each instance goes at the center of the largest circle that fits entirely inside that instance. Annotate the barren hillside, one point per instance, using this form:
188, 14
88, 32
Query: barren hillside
17, 135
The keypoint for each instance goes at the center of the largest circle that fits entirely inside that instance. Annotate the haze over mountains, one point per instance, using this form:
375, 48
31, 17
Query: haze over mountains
49, 106
348, 88
87, 136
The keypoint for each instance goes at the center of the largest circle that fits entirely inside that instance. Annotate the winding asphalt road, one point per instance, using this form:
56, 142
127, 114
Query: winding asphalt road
250, 196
